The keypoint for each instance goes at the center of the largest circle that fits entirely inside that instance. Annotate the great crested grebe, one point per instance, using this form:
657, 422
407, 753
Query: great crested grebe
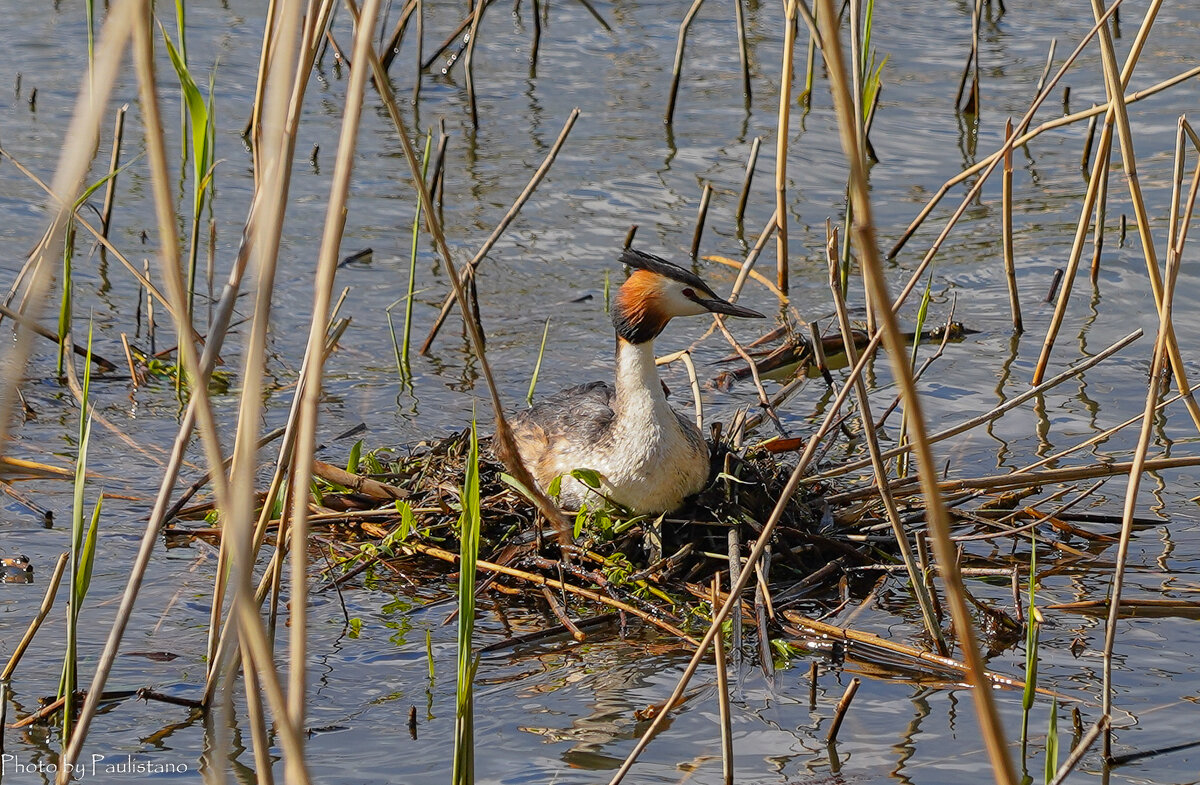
649, 456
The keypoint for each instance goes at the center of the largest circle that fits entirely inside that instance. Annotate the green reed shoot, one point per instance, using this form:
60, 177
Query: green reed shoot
1032, 627
65, 305
922, 313
202, 139
537, 367
1052, 742
405, 368
469, 524
83, 551
89, 11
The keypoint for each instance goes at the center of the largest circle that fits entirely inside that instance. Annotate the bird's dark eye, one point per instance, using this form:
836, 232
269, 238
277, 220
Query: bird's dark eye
688, 293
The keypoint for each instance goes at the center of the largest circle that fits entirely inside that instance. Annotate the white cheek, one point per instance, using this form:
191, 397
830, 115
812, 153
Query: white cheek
675, 304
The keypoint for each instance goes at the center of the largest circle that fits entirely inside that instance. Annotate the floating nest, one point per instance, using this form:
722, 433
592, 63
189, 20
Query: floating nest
659, 569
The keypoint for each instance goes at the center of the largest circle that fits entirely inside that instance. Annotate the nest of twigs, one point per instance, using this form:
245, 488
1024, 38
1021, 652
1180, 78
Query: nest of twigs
658, 569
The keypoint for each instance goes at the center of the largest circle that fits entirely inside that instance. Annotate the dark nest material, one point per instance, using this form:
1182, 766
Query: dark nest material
660, 570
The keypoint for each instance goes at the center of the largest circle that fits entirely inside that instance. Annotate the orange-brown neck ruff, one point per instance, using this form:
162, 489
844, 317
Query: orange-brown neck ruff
637, 314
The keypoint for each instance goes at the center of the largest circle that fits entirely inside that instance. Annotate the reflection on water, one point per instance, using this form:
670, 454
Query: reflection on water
561, 711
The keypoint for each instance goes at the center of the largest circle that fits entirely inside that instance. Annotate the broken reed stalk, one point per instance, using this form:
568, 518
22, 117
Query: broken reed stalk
114, 165
420, 12
937, 517
743, 52
747, 266
839, 714
723, 685
701, 215
468, 272
781, 145
467, 63
677, 68
1101, 214
36, 623
749, 178
1010, 267
504, 442
932, 628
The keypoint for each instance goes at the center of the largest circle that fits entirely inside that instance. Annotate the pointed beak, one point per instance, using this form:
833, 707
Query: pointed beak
717, 305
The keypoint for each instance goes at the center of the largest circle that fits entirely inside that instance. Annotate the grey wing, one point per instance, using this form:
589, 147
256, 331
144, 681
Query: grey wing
585, 412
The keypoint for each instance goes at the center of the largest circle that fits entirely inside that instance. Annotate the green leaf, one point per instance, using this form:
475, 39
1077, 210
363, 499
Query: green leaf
87, 557
589, 477
355, 457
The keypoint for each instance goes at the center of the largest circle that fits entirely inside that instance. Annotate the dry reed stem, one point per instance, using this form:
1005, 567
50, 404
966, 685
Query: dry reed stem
872, 437
74, 161
937, 517
36, 623
1010, 267
701, 215
743, 57
751, 162
541, 580
686, 357
505, 444
1101, 214
851, 637
472, 36
1024, 479
839, 714
82, 351
747, 267
302, 454
114, 165
781, 145
1085, 743
1089, 206
468, 272
723, 686
677, 68
1161, 346
994, 413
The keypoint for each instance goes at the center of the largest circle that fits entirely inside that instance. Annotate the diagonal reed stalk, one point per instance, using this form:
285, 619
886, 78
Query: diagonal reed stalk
468, 272
936, 514
506, 447
1174, 254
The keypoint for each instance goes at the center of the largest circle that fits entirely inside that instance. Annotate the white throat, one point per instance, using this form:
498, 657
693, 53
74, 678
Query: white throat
639, 390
